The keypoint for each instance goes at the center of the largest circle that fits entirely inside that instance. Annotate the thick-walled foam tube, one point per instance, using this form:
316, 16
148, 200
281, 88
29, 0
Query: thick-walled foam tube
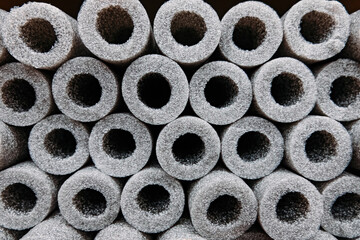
251, 34
182, 230
116, 31
352, 48
121, 230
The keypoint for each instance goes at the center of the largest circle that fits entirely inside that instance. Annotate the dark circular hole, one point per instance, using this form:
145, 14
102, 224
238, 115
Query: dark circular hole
346, 207
84, 90
188, 28
287, 89
291, 207
188, 149
153, 199
90, 202
60, 143
154, 90
38, 34
18, 95
221, 91
316, 27
224, 210
115, 25
119, 143
345, 91
253, 145
249, 33
19, 197
320, 146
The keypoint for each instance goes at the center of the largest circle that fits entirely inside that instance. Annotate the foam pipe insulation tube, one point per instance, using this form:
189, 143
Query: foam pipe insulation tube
352, 48
27, 196
182, 230
41, 35
354, 131
89, 200
315, 30
121, 230
187, 31
25, 95
59, 145
290, 207
4, 54
221, 205
251, 32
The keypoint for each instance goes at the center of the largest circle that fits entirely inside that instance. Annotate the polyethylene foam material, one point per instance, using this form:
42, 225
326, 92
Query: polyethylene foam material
121, 230
182, 230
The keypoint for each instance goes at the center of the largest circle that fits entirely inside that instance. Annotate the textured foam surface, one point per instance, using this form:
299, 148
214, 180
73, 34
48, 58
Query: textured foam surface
121, 230
187, 31
155, 89
25, 95
4, 54
120, 145
27, 196
182, 230
290, 207
116, 31
85, 89
89, 200
220, 92
322, 235
152, 201
59, 145
352, 48
251, 32
221, 205
252, 147
354, 131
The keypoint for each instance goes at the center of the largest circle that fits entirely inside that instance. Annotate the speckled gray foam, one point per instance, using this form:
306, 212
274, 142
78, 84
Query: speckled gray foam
220, 80
25, 96
59, 145
352, 48
315, 30
121, 230
338, 85
55, 228
188, 148
67, 43
284, 90
322, 235
354, 131
162, 67
74, 81
196, 16
252, 147
290, 207
89, 200
90, 25
13, 145
318, 148
182, 230
28, 195
152, 201
221, 205
120, 145
4, 54
342, 206
251, 32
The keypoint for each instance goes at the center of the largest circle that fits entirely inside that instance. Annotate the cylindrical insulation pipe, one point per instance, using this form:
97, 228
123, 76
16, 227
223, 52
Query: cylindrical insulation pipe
121, 230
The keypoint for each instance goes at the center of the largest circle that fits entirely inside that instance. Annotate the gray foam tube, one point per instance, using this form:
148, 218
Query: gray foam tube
252, 147
174, 19
182, 230
121, 230
24, 35
290, 207
315, 30
322, 235
28, 195
85, 89
55, 228
4, 54
251, 34
89, 200
318, 148
338, 89
188, 148
221, 205
59, 145
284, 90
120, 145
116, 31
352, 47
25, 95
13, 145
152, 201
220, 92
354, 131
155, 89
341, 206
